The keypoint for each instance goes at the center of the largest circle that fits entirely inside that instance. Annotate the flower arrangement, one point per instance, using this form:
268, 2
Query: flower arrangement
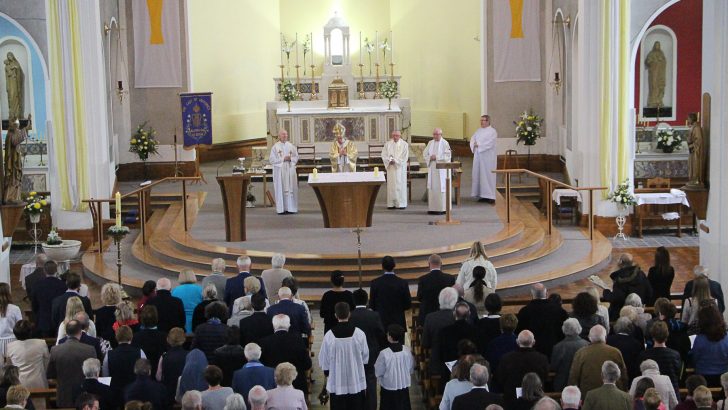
287, 47
389, 90
118, 231
667, 140
35, 203
384, 46
53, 238
528, 128
622, 195
288, 92
143, 142
369, 47
306, 47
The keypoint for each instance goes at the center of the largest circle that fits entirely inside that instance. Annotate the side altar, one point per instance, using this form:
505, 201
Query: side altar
354, 95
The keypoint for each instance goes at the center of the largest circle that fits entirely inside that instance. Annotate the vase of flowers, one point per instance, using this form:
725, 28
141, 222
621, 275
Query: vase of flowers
528, 130
385, 47
389, 91
622, 196
667, 140
35, 206
288, 93
144, 142
287, 47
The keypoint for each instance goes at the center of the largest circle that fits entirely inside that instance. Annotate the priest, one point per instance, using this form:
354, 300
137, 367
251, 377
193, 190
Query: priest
394, 156
437, 150
283, 158
343, 152
343, 354
485, 160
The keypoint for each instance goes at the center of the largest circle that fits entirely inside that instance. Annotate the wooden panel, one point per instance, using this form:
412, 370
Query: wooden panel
230, 150
347, 205
134, 171
234, 191
305, 130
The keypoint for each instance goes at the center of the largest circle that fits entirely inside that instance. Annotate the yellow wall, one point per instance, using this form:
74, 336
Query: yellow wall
238, 56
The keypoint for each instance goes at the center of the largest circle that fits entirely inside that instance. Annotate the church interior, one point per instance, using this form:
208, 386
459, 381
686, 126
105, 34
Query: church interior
362, 157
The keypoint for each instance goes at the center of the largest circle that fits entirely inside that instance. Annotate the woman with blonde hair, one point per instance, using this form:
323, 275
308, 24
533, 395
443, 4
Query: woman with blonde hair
251, 286
73, 307
125, 316
111, 295
9, 315
477, 257
700, 298
190, 293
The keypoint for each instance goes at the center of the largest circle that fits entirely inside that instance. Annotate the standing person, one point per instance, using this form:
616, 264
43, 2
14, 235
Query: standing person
172, 362
343, 354
149, 290
9, 315
43, 293
563, 353
478, 290
661, 275
390, 295
119, 362
285, 346
145, 388
190, 293
67, 360
587, 366
30, 355
296, 312
283, 158
332, 297
429, 286
393, 369
544, 318
151, 340
701, 297
343, 152
106, 315
216, 395
485, 160
715, 289
217, 277
253, 373
395, 155
235, 286
608, 396
273, 277
38, 273
477, 257
286, 396
371, 324
437, 150
58, 308
170, 309
629, 278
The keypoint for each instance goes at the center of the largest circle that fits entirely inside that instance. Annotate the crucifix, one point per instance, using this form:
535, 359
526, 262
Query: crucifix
358, 232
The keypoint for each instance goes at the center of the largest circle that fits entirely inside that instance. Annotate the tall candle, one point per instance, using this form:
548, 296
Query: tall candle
360, 49
280, 41
311, 34
391, 45
297, 49
376, 44
118, 209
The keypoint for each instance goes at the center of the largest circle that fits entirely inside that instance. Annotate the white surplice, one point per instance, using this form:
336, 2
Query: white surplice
343, 354
285, 181
485, 161
437, 178
397, 152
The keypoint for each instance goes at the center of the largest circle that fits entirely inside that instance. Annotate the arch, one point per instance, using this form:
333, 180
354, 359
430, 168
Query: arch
22, 53
32, 42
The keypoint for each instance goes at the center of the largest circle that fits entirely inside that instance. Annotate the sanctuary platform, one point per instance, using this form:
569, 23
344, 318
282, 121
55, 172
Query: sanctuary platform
522, 251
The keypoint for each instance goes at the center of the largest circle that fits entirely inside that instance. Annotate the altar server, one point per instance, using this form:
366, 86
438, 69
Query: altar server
483, 146
394, 156
393, 368
343, 354
437, 150
343, 152
283, 158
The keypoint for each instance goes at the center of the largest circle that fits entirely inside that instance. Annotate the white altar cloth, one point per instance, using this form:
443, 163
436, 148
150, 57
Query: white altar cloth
565, 193
662, 198
339, 177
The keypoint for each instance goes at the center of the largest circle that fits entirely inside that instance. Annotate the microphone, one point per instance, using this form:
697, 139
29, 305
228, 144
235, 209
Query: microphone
217, 171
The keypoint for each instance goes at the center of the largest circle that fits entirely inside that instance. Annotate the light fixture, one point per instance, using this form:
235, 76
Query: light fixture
557, 82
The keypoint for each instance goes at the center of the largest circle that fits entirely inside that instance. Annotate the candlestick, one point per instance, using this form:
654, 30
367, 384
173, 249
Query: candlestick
311, 37
362, 94
376, 45
314, 95
298, 81
391, 66
296, 43
360, 49
118, 208
391, 45
281, 47
376, 86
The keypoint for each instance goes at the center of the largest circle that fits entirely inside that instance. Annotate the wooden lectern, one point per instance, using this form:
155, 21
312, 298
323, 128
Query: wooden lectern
452, 166
234, 189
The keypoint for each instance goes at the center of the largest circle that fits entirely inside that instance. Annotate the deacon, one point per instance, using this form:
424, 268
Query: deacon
283, 158
437, 150
343, 152
343, 354
394, 156
483, 146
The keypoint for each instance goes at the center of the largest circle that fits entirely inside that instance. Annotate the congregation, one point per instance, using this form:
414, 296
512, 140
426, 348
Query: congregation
245, 342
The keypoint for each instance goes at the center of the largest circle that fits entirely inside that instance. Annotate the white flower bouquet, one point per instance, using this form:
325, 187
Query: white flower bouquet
667, 140
288, 91
528, 128
622, 195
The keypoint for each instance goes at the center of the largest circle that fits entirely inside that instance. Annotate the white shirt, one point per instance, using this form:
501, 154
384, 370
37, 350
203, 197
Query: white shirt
7, 322
394, 369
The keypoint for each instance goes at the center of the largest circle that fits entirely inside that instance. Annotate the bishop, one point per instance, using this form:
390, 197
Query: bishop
343, 152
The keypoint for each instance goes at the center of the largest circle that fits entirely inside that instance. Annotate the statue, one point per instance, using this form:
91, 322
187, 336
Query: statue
696, 147
14, 82
13, 162
656, 64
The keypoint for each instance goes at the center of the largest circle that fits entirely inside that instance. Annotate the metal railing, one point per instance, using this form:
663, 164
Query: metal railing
550, 185
143, 195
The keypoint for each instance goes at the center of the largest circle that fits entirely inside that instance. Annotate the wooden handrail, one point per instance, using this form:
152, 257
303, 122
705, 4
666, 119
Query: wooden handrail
550, 185
96, 205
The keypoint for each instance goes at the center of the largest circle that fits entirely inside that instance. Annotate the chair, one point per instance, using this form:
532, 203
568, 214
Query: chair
307, 153
511, 157
374, 152
658, 183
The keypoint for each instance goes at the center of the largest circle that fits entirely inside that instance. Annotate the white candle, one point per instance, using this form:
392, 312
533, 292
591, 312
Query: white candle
118, 209
391, 45
280, 41
360, 49
297, 49
376, 45
311, 34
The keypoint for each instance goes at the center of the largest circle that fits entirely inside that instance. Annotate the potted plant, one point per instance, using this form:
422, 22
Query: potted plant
667, 140
144, 142
528, 131
389, 91
622, 196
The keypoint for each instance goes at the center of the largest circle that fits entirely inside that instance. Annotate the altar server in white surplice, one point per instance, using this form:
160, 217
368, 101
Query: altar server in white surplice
437, 150
485, 160
283, 158
343, 354
394, 156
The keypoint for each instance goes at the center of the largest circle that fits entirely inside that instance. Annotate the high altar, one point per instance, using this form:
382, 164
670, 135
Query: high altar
343, 93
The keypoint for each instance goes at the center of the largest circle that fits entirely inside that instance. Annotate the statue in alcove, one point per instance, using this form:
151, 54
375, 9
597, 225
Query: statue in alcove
656, 64
13, 161
14, 82
696, 147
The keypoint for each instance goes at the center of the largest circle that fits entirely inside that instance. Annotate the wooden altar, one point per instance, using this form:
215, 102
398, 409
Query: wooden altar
347, 199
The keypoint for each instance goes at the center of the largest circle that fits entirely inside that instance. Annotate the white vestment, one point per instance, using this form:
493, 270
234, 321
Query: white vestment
397, 152
437, 178
485, 161
285, 181
343, 357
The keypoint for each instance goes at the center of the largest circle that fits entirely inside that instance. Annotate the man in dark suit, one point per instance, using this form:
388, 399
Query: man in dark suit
83, 320
435, 321
371, 324
285, 346
544, 318
429, 286
296, 312
44, 291
450, 336
514, 365
478, 397
256, 326
390, 295
119, 362
144, 388
91, 385
170, 310
716, 290
66, 360
253, 373
38, 273
628, 345
73, 286
234, 287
